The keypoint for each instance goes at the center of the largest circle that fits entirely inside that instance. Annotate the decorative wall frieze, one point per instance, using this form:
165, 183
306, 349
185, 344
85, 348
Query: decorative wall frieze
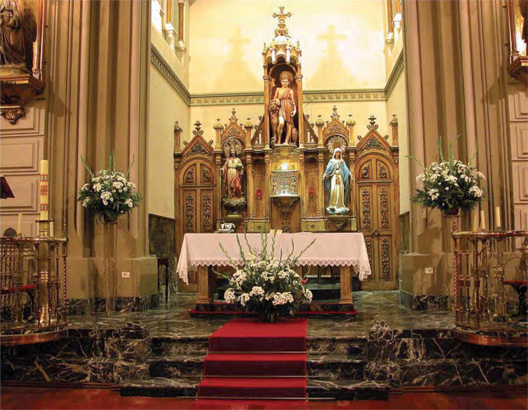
394, 75
227, 99
309, 96
166, 71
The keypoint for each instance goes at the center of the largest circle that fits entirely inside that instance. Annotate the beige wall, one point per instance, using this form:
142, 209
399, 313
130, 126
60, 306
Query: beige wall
397, 104
518, 123
342, 43
166, 106
22, 146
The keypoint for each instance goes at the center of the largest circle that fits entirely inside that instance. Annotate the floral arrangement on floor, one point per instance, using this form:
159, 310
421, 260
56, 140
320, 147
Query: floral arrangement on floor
266, 286
449, 184
109, 192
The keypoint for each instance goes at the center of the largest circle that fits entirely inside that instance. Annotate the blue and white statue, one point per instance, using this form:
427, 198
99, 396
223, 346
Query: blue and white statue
337, 183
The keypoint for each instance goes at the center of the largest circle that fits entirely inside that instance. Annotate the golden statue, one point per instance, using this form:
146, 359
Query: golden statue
284, 100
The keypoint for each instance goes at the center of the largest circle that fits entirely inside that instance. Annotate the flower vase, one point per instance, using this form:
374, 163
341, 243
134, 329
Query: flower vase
110, 265
453, 214
269, 317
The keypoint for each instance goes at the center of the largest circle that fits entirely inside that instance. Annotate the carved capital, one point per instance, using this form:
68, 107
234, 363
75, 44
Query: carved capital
12, 114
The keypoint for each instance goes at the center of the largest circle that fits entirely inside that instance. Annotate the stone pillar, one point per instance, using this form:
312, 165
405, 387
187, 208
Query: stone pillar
455, 85
97, 101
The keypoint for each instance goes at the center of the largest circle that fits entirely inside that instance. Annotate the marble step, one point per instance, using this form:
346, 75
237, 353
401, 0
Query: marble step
173, 346
344, 389
320, 366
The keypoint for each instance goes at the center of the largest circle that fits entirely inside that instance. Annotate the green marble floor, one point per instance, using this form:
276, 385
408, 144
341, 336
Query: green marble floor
173, 318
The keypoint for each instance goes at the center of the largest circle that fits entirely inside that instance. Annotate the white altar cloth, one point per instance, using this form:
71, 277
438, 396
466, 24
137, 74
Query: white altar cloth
329, 249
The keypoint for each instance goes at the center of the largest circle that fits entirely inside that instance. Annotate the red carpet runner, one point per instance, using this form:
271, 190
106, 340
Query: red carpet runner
253, 360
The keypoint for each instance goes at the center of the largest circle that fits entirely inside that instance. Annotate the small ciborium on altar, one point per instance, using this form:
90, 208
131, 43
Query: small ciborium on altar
284, 192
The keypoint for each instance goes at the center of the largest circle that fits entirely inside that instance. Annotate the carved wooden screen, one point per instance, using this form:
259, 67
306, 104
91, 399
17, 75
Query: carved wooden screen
311, 181
196, 184
377, 202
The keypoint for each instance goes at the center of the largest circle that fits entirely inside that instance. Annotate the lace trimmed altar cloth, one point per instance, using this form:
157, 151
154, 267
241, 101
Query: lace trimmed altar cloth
329, 249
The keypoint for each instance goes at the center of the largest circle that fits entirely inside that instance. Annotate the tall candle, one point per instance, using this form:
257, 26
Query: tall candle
482, 221
19, 225
475, 221
44, 214
498, 217
52, 229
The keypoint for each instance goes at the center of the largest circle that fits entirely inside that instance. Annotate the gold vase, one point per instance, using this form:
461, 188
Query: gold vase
110, 265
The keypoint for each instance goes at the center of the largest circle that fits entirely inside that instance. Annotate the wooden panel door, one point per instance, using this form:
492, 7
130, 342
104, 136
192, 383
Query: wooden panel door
376, 216
197, 204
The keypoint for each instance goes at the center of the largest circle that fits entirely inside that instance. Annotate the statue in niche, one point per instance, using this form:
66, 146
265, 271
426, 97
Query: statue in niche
337, 183
232, 173
284, 99
274, 116
17, 33
523, 5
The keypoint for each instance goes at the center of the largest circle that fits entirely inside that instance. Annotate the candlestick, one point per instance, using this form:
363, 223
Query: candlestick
498, 217
482, 221
19, 225
475, 221
44, 213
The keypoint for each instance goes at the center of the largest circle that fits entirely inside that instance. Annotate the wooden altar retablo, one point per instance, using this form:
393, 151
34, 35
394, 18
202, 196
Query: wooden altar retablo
270, 175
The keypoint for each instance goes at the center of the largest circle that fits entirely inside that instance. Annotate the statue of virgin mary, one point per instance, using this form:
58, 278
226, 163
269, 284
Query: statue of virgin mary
337, 183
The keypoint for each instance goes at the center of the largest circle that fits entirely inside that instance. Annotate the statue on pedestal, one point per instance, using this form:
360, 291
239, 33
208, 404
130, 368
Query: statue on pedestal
284, 100
232, 173
17, 33
337, 183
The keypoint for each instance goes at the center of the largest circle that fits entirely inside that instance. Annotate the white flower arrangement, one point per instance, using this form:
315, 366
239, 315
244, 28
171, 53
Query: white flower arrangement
266, 286
109, 193
449, 184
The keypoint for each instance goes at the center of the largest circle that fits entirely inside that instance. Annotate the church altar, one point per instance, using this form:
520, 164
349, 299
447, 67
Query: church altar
291, 173
346, 250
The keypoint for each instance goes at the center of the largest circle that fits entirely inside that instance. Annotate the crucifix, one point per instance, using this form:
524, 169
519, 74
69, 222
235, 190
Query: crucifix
282, 30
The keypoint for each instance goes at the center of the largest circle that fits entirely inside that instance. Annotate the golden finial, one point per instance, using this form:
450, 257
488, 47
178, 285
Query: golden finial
282, 30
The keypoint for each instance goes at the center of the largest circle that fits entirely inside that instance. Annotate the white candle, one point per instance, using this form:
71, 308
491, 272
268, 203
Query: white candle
44, 214
19, 225
475, 221
482, 221
498, 217
51, 229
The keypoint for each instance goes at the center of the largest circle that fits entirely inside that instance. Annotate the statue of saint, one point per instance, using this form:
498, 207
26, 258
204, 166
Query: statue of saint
523, 4
337, 183
12, 42
232, 172
274, 116
284, 99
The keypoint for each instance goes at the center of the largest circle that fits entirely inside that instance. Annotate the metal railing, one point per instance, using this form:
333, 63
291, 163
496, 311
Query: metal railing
33, 288
490, 277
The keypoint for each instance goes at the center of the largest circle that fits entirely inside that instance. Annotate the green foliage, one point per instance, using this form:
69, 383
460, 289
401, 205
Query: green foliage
264, 285
109, 194
448, 184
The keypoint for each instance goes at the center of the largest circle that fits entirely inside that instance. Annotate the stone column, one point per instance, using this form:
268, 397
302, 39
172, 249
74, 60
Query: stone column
97, 101
455, 85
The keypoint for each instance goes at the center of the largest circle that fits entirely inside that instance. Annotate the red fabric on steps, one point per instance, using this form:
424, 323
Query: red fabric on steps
260, 362
250, 335
255, 364
252, 388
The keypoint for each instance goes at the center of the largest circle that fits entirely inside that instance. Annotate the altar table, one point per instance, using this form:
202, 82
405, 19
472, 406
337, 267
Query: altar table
344, 249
